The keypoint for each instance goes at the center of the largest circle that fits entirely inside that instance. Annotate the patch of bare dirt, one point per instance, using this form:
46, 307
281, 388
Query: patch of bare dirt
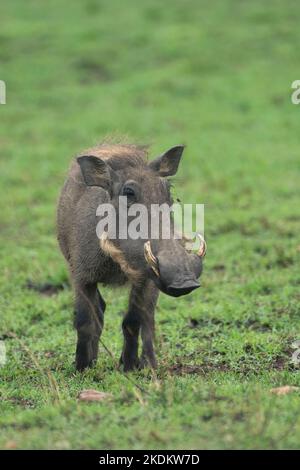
48, 289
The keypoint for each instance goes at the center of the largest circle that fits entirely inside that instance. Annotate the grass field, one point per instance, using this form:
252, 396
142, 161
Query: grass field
213, 75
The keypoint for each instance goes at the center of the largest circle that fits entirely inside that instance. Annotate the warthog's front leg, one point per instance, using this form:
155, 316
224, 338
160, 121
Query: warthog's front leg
148, 326
89, 317
140, 317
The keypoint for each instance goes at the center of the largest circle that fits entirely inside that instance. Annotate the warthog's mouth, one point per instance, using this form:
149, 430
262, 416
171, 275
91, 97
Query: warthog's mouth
176, 277
153, 262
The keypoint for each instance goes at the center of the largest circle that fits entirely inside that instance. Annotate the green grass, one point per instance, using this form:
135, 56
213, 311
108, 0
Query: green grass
213, 75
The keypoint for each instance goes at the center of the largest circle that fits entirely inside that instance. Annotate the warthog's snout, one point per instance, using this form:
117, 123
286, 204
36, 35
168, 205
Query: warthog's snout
182, 288
174, 270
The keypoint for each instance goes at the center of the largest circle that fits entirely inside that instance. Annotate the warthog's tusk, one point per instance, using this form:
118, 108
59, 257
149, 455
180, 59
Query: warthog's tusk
202, 248
150, 258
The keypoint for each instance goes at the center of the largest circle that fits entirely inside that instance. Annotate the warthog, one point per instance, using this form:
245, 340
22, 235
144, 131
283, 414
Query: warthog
100, 175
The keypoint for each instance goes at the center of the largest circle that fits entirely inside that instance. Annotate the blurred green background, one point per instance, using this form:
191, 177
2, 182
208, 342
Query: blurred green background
217, 77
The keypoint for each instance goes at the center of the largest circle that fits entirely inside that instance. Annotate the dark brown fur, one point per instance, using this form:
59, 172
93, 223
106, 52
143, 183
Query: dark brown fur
92, 261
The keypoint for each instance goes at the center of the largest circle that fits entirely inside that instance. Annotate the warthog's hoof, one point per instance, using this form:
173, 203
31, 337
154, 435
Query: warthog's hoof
137, 363
86, 354
129, 363
147, 362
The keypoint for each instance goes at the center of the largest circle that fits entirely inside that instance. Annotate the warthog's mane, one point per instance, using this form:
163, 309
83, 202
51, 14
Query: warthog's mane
120, 156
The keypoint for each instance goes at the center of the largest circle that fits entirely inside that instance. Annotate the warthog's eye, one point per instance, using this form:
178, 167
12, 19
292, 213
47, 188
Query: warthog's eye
131, 190
128, 191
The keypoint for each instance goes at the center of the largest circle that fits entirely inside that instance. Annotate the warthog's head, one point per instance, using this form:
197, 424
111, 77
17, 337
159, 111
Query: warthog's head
145, 251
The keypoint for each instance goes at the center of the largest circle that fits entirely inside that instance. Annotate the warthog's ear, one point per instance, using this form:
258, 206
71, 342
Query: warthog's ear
167, 163
95, 171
